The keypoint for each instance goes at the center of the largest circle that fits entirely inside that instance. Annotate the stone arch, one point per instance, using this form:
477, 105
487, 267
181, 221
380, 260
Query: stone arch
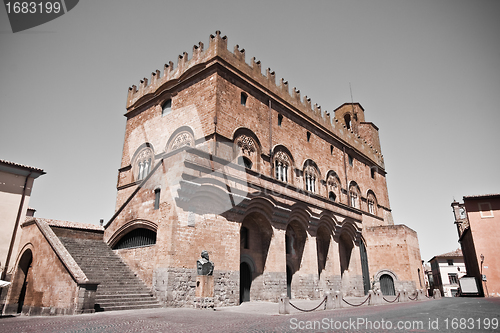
311, 176
129, 227
324, 235
388, 287
181, 137
283, 164
295, 240
371, 203
346, 246
333, 186
246, 145
19, 291
253, 258
354, 195
143, 161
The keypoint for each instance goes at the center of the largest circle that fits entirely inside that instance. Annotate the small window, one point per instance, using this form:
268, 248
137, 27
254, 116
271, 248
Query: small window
371, 207
244, 237
280, 119
485, 209
372, 172
166, 107
351, 160
453, 278
347, 120
450, 262
331, 149
308, 136
157, 199
244, 99
332, 196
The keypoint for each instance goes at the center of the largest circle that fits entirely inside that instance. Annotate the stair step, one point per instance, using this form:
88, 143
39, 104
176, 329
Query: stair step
119, 288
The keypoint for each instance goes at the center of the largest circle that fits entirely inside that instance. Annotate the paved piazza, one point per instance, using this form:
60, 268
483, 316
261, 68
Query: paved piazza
444, 315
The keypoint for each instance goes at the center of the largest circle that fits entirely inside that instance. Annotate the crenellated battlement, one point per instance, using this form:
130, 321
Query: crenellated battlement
217, 49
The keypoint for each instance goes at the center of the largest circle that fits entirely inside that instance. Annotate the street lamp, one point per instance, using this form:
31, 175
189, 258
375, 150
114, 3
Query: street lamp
483, 278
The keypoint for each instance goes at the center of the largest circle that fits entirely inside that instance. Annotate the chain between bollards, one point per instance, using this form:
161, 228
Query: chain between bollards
323, 301
369, 296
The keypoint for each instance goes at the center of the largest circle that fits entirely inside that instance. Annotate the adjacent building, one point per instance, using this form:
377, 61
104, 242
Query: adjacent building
16, 183
447, 269
478, 220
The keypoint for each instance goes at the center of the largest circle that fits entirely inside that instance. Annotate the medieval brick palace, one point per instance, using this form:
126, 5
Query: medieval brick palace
284, 196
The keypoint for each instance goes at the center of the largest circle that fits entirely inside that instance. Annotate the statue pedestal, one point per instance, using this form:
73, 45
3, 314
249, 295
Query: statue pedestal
204, 292
205, 286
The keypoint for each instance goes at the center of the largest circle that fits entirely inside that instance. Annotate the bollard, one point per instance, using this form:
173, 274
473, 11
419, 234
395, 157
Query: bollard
420, 295
403, 297
330, 302
372, 297
284, 304
337, 299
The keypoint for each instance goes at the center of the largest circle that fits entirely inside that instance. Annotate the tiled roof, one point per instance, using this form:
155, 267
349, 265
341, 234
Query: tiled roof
481, 196
456, 253
22, 166
68, 224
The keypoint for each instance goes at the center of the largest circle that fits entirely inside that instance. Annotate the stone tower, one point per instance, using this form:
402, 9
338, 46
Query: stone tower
284, 196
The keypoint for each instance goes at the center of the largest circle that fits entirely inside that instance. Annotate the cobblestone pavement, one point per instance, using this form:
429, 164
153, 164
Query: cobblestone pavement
444, 315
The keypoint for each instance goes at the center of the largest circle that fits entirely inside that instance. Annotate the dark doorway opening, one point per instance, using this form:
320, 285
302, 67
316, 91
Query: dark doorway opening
387, 285
23, 271
289, 275
245, 282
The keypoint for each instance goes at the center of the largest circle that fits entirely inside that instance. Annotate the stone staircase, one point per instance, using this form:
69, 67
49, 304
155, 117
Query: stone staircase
119, 288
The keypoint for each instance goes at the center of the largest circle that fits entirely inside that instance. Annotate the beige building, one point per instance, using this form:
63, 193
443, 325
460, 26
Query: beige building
447, 269
16, 183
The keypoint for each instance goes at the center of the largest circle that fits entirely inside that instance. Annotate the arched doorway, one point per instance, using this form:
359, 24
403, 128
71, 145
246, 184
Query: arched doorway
387, 285
255, 238
21, 281
245, 282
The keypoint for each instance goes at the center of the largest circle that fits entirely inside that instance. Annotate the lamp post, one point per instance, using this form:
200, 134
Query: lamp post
483, 278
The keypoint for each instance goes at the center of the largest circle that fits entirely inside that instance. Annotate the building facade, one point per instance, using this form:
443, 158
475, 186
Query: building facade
447, 269
16, 183
284, 196
477, 220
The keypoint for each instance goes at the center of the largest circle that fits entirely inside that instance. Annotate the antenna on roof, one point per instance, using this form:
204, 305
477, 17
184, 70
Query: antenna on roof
352, 100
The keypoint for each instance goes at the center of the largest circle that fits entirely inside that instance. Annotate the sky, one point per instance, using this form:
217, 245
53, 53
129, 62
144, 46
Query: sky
427, 74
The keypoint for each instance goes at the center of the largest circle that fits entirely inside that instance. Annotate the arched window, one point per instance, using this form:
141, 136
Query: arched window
347, 120
136, 238
182, 139
354, 195
281, 166
333, 186
310, 177
143, 163
372, 203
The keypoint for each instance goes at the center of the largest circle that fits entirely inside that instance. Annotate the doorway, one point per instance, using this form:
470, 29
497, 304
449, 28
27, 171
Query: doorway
387, 285
245, 282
